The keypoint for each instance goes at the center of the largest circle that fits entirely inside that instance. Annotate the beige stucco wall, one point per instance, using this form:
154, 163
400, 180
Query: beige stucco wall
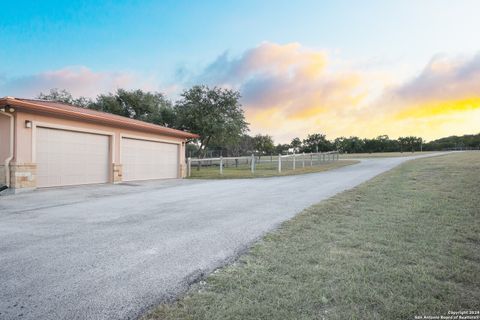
25, 137
4, 137
4, 144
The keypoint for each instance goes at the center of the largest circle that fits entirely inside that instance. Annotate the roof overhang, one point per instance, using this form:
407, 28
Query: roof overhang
97, 117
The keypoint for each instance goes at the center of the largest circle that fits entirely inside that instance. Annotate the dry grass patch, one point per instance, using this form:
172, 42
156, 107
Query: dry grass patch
264, 170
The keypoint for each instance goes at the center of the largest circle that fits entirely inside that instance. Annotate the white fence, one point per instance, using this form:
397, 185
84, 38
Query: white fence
254, 163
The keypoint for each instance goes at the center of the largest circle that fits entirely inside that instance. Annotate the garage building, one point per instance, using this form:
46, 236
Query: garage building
50, 144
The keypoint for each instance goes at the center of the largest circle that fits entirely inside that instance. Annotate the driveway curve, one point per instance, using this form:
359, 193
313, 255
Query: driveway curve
114, 251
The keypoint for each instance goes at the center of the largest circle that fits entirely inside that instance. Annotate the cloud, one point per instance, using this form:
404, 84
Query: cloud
443, 99
267, 59
290, 90
80, 81
444, 78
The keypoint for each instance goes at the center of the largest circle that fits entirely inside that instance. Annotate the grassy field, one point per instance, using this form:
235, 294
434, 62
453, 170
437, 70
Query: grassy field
403, 244
381, 155
265, 169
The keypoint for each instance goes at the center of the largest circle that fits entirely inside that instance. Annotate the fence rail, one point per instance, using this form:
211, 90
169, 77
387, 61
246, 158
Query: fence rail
255, 162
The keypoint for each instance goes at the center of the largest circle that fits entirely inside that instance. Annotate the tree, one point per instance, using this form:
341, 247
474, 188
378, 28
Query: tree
470, 141
414, 143
264, 144
387, 144
382, 143
151, 107
282, 148
62, 95
136, 104
214, 114
190, 148
370, 145
419, 143
244, 146
341, 144
410, 143
316, 142
402, 142
296, 144
356, 145
350, 145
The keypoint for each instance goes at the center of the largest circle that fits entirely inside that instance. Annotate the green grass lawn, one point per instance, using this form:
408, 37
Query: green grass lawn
381, 154
265, 169
405, 243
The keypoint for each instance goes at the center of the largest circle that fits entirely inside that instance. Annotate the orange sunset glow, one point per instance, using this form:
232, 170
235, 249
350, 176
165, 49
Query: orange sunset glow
289, 90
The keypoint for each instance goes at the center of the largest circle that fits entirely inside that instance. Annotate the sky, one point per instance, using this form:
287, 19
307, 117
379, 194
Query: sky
342, 68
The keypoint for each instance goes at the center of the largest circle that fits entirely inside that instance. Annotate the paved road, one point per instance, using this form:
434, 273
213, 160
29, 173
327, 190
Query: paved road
112, 252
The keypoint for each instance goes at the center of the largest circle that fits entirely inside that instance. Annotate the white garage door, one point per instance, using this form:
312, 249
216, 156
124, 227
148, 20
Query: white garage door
70, 158
145, 160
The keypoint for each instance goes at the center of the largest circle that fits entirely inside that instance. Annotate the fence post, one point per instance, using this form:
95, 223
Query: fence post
311, 159
189, 166
294, 161
221, 165
279, 163
253, 163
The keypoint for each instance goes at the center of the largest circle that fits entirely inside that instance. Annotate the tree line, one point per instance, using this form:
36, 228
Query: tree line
317, 142
465, 142
216, 115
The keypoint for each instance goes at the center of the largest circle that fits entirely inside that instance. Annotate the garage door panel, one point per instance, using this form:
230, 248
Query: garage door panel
145, 160
70, 158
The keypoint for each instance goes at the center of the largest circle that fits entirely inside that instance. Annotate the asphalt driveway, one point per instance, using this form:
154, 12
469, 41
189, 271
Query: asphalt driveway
112, 252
